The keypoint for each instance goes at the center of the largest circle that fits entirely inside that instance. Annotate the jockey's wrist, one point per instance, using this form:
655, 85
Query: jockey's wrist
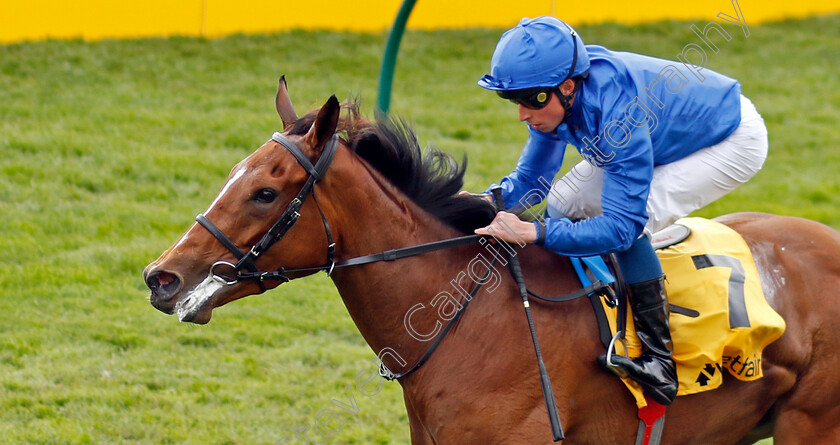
540, 227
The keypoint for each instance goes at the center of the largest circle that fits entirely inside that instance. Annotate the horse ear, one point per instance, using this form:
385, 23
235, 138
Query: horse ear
284, 105
325, 125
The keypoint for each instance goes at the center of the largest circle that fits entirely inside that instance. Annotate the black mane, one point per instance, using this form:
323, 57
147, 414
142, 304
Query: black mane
431, 178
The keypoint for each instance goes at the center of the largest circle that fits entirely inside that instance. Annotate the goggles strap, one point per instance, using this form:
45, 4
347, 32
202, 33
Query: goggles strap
566, 100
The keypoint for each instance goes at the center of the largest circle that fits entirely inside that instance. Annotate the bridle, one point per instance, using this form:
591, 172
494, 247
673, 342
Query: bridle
245, 267
246, 260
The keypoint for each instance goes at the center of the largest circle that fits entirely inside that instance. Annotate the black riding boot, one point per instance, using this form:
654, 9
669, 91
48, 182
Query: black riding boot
655, 370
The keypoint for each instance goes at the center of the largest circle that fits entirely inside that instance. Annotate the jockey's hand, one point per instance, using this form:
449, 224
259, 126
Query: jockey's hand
484, 196
507, 226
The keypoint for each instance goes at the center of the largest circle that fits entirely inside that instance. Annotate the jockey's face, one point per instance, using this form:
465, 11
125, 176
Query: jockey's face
550, 116
545, 119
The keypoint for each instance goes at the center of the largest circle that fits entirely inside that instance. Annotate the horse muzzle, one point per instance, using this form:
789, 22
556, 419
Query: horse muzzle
169, 296
164, 285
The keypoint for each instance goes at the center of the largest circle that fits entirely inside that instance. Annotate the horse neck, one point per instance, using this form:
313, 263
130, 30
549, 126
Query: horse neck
377, 217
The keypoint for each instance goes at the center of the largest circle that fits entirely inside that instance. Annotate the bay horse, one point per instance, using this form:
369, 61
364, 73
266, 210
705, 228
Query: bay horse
381, 192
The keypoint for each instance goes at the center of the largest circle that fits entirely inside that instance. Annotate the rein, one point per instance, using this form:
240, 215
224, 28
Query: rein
388, 255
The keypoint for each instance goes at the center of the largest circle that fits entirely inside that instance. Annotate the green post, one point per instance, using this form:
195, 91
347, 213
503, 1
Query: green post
389, 60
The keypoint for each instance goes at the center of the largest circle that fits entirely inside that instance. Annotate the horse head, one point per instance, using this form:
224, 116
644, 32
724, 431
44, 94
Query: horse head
219, 259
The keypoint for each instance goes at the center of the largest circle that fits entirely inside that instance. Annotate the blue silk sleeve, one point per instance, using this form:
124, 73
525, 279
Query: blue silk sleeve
623, 199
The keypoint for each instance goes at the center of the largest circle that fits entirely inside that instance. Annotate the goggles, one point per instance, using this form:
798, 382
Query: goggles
533, 98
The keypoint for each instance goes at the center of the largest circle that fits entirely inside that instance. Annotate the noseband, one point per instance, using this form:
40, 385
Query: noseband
281, 226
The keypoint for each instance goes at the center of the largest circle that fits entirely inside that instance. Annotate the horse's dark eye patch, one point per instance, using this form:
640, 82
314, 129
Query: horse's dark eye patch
266, 195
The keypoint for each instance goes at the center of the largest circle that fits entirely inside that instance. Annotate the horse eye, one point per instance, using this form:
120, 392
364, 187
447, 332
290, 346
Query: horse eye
265, 195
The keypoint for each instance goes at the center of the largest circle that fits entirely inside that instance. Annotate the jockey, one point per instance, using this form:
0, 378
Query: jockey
658, 139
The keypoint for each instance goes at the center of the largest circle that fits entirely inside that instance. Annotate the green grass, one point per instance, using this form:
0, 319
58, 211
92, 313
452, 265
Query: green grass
108, 149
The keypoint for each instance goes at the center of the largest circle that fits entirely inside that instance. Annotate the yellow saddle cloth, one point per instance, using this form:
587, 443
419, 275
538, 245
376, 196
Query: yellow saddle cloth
713, 273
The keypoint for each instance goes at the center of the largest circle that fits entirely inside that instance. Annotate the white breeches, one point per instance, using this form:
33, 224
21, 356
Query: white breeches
678, 188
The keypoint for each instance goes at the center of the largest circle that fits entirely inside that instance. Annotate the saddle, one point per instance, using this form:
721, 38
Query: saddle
719, 318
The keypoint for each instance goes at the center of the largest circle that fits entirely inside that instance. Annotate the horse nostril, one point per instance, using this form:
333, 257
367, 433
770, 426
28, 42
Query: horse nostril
163, 284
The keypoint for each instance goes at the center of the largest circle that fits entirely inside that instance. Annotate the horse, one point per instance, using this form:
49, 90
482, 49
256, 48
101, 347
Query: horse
382, 192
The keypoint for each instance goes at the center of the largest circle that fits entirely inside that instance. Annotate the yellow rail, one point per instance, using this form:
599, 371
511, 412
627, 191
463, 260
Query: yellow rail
97, 19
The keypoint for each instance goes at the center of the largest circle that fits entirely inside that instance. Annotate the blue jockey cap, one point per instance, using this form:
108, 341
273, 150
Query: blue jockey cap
540, 52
